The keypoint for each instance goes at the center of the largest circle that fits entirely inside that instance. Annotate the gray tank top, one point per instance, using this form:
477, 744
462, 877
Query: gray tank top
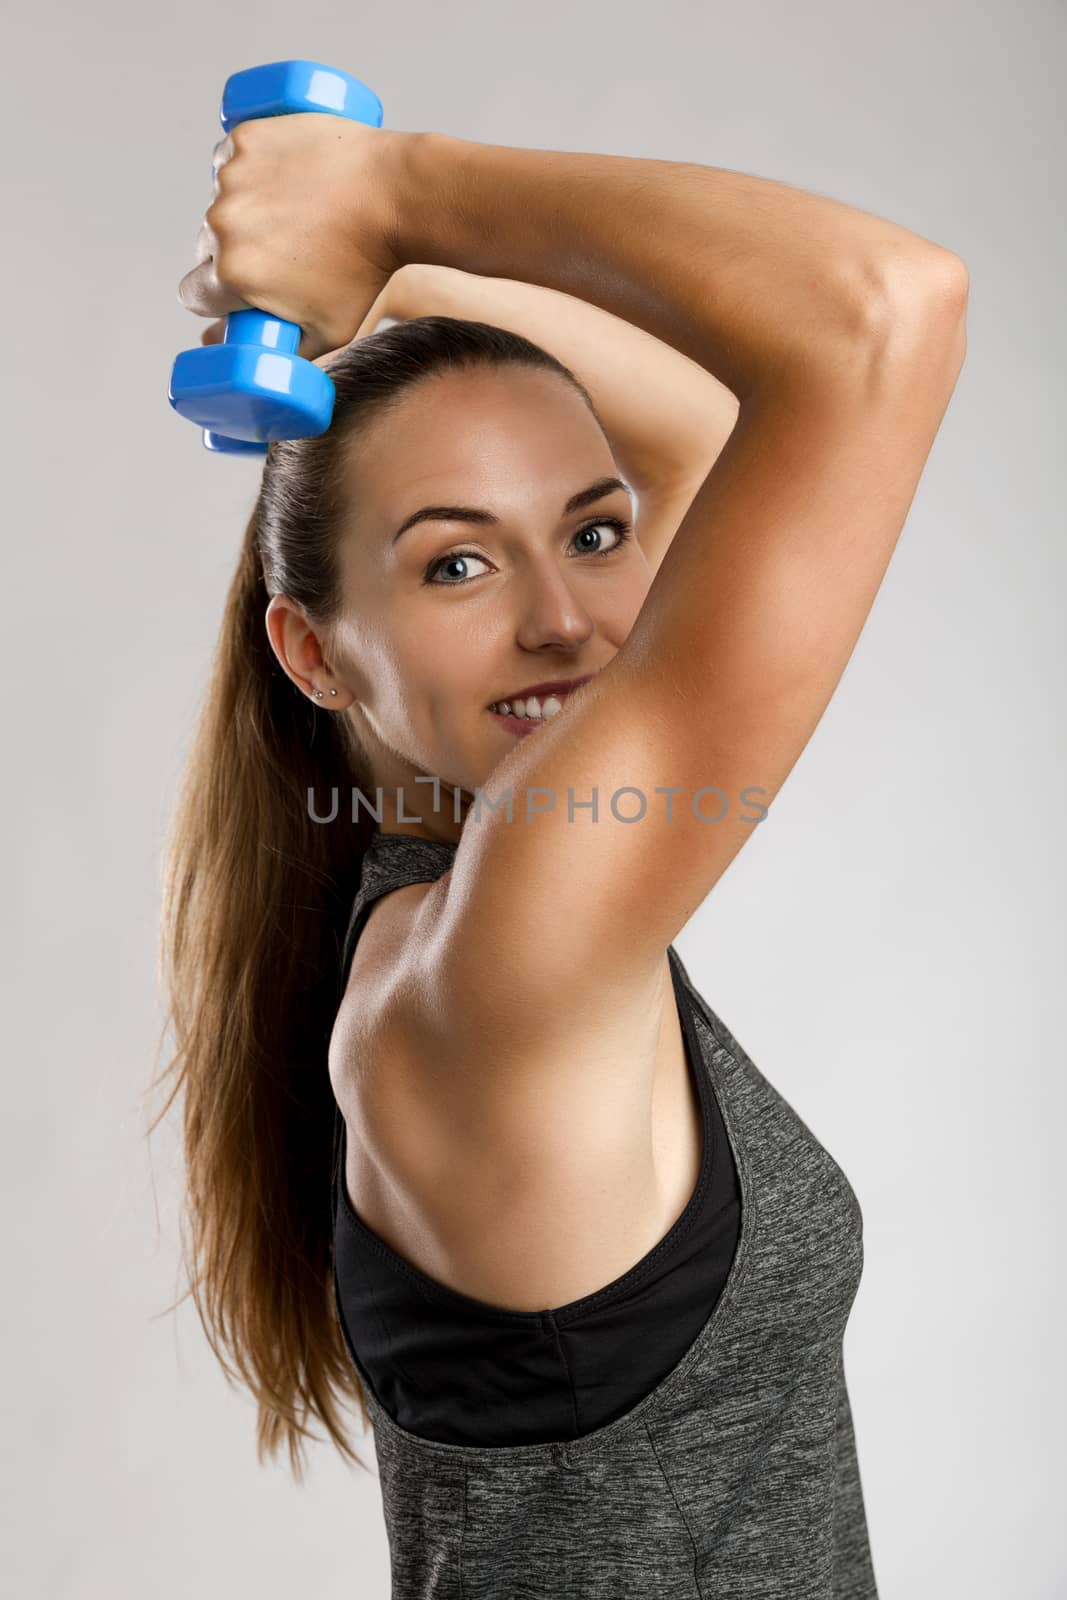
736, 1476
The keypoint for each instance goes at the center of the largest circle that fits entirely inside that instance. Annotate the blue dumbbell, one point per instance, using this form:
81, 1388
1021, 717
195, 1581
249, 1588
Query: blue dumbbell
253, 387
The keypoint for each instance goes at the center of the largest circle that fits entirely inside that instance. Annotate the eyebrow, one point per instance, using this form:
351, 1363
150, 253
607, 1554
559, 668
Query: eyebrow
584, 497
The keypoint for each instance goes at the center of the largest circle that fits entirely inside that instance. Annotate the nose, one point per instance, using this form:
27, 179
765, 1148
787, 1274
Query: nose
550, 610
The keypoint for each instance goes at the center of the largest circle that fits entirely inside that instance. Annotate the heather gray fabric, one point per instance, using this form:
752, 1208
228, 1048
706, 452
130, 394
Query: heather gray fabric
736, 1478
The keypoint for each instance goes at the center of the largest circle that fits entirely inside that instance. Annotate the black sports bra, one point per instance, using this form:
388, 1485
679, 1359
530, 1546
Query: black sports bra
459, 1370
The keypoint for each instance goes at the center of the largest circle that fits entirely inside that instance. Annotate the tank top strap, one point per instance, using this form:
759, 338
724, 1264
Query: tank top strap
392, 861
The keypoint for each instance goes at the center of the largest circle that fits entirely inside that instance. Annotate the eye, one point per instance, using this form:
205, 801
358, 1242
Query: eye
454, 558
621, 528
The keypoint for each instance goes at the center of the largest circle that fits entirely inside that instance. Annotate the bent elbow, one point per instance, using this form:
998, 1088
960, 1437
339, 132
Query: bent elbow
931, 282
950, 284
918, 318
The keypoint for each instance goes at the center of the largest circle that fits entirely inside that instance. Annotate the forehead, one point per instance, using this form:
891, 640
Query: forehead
513, 434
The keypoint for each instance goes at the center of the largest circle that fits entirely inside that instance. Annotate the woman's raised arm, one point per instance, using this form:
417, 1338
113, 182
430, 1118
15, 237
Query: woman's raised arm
842, 334
745, 275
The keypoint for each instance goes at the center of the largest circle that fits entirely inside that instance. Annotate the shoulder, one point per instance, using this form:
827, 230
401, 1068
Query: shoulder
378, 982
423, 1063
386, 1077
466, 1142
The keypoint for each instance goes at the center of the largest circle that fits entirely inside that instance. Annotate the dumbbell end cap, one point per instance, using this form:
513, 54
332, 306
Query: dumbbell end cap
247, 393
279, 88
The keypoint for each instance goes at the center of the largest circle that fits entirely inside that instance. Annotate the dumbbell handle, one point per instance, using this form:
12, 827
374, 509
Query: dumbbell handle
254, 388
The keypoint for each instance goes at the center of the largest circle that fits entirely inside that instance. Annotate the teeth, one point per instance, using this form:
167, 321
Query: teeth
532, 708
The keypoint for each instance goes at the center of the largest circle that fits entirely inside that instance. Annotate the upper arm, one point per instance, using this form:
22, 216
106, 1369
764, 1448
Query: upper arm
660, 513
741, 641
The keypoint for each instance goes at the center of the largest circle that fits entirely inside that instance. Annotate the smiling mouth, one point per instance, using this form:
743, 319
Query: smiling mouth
518, 724
524, 712
549, 707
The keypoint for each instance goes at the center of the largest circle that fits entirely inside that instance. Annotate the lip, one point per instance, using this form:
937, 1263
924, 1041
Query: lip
519, 725
557, 686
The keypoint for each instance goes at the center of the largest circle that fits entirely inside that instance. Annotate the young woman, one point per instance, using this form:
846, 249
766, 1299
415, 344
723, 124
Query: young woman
516, 656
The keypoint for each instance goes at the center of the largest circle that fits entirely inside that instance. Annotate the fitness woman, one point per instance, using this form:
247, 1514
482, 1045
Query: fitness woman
517, 656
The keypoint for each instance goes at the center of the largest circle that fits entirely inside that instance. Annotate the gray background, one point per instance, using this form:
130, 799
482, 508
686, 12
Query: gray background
891, 951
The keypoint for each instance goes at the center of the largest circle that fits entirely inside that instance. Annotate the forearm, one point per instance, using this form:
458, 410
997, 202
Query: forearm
666, 417
744, 275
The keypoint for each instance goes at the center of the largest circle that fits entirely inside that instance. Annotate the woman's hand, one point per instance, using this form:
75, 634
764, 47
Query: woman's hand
304, 226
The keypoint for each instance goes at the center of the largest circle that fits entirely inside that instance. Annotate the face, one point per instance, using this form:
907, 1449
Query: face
446, 615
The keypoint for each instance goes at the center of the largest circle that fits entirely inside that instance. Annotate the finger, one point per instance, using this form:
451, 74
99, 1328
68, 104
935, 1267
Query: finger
202, 281
214, 333
206, 243
201, 292
222, 153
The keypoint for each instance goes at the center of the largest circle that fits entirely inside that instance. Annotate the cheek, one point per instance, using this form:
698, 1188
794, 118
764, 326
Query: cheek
430, 683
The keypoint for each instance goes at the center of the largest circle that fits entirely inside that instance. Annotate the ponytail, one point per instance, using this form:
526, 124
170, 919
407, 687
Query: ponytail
256, 901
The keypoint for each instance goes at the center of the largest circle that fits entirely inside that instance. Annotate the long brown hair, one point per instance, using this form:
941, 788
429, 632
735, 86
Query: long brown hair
256, 900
